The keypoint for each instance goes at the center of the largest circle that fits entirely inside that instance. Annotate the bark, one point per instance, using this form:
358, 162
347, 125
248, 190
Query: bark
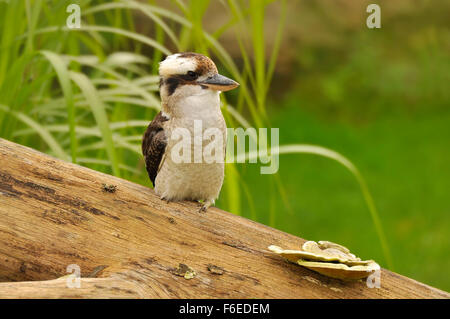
129, 244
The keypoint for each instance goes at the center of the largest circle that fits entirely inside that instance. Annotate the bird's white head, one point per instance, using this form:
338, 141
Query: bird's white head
188, 74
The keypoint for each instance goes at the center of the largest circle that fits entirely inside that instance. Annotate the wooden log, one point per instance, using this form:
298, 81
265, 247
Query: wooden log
128, 243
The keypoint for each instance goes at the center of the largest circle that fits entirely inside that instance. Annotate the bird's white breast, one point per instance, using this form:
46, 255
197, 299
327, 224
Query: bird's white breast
194, 181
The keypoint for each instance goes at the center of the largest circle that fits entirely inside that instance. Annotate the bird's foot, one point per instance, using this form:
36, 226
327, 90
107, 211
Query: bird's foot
205, 206
167, 201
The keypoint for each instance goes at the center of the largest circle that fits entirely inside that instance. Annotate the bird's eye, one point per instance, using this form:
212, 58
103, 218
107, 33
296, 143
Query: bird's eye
192, 75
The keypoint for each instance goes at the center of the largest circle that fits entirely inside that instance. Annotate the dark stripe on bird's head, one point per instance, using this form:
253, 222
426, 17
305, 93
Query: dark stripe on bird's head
180, 79
172, 84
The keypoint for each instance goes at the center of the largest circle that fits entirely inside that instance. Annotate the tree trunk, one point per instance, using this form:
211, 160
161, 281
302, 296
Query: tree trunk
128, 243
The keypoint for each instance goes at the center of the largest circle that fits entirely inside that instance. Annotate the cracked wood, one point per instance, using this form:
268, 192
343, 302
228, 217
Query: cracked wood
127, 242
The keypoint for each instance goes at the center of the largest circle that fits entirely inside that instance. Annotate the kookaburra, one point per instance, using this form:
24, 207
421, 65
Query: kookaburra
189, 87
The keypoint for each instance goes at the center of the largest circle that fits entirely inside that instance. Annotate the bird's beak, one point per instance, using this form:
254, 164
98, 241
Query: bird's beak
219, 83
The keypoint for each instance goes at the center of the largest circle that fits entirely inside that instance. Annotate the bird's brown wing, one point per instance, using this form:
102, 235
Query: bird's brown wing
154, 145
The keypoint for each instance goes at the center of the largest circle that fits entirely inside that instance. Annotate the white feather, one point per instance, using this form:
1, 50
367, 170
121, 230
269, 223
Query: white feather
173, 64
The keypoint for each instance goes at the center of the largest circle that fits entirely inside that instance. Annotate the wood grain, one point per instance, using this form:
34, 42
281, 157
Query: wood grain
128, 242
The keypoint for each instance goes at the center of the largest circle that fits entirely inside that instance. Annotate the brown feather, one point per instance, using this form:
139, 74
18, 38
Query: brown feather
153, 145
